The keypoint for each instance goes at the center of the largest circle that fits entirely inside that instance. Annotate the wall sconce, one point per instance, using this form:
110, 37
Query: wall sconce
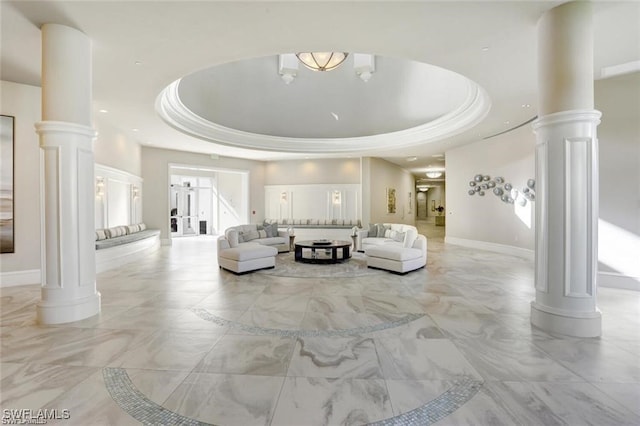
135, 191
283, 197
337, 197
99, 187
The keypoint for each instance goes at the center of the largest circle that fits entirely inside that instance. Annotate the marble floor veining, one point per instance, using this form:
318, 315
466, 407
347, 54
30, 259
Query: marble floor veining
178, 341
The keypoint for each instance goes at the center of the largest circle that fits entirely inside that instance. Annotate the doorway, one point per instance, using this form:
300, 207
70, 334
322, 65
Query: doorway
206, 201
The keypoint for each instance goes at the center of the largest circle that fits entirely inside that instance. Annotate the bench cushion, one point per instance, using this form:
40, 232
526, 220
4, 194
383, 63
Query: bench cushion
248, 251
393, 252
124, 239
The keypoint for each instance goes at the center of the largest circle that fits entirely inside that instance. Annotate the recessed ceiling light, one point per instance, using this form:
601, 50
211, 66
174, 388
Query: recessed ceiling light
134, 130
138, 63
485, 48
433, 175
526, 106
438, 155
104, 111
335, 116
412, 158
506, 122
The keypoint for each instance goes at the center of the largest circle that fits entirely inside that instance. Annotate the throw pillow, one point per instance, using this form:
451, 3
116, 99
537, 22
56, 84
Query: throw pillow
271, 230
262, 233
381, 230
411, 236
251, 235
132, 229
142, 226
373, 230
232, 237
399, 236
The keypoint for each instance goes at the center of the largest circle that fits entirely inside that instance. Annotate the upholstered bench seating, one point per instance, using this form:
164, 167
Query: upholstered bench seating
125, 239
120, 245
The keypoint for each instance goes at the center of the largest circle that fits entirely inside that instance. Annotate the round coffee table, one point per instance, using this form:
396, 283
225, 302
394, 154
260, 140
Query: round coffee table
322, 251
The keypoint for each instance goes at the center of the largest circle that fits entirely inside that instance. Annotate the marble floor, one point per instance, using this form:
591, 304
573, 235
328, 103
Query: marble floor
179, 341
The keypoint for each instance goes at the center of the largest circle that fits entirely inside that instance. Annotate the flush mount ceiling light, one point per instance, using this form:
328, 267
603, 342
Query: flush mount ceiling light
433, 175
322, 61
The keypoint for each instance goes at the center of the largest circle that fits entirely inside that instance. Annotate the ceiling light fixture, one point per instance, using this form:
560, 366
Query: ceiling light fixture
433, 175
364, 66
412, 159
322, 61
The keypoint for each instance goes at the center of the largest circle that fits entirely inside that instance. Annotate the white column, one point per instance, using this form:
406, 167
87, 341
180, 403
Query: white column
66, 142
566, 175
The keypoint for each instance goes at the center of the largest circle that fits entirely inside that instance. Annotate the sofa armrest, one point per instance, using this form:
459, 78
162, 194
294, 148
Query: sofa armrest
283, 234
362, 233
421, 244
223, 244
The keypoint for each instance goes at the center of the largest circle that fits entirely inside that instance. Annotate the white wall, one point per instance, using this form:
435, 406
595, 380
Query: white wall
113, 148
619, 141
487, 219
319, 201
378, 176
313, 171
23, 102
116, 202
155, 171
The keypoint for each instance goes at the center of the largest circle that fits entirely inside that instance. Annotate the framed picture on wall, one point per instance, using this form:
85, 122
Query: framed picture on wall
391, 200
410, 203
7, 132
433, 205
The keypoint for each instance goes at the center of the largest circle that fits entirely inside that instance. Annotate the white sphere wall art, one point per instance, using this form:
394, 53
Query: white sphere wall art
507, 193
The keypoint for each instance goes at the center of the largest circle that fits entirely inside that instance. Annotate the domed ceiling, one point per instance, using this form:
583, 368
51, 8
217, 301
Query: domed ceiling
248, 104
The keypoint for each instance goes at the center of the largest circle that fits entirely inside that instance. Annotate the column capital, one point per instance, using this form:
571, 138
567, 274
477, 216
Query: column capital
48, 127
571, 116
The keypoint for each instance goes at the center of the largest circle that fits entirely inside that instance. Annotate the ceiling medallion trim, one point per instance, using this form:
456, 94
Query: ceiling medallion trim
473, 110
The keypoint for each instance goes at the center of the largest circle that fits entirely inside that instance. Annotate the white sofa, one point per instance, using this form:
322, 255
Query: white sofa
394, 257
386, 234
245, 257
266, 235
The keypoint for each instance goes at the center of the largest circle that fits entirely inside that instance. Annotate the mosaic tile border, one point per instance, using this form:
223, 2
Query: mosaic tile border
137, 405
437, 409
208, 316
141, 408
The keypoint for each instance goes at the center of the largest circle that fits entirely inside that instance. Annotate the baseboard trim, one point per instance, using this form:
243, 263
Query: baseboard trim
12, 279
615, 280
494, 247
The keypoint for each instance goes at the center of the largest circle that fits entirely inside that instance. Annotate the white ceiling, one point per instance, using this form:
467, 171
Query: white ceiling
141, 47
